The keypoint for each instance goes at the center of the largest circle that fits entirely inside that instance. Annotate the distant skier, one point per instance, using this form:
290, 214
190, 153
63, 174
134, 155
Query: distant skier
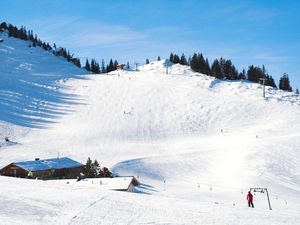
250, 199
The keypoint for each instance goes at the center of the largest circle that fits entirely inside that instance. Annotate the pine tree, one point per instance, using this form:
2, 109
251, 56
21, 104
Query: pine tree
230, 71
88, 167
222, 63
242, 75
201, 63
115, 65
158, 58
216, 70
270, 81
147, 61
87, 65
68, 56
95, 66
103, 70
110, 66
176, 59
96, 169
3, 26
194, 63
76, 62
255, 73
92, 65
171, 57
183, 60
297, 91
207, 67
284, 83
128, 66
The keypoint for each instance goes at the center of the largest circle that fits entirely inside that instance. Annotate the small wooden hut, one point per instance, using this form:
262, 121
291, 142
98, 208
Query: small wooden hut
120, 66
55, 168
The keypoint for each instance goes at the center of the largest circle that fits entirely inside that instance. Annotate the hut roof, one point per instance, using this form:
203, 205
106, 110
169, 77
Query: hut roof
48, 164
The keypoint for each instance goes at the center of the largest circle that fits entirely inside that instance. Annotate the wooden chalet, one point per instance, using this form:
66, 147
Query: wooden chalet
55, 168
120, 66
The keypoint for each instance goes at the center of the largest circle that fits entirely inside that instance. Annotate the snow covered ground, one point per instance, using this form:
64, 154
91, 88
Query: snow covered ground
43, 202
29, 95
197, 144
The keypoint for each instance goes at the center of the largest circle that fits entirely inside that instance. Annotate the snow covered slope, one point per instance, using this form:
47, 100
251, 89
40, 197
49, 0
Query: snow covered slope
28, 93
197, 144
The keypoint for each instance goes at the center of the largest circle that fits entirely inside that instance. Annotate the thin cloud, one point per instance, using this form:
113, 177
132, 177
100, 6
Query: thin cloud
50, 27
102, 34
268, 57
81, 32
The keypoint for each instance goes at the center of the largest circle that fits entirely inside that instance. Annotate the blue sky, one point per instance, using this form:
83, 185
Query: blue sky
247, 32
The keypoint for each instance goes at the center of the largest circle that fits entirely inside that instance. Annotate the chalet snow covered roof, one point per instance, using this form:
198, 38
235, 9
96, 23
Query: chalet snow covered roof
48, 164
115, 183
124, 183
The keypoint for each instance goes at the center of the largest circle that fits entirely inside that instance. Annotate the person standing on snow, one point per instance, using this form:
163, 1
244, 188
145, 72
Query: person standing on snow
250, 199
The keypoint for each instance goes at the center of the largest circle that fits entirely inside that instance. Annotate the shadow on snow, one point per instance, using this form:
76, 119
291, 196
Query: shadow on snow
34, 100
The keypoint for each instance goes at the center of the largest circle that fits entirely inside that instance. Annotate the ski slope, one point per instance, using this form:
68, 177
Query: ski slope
197, 144
29, 95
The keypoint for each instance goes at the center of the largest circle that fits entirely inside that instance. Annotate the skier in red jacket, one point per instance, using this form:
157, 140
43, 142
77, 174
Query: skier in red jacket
250, 199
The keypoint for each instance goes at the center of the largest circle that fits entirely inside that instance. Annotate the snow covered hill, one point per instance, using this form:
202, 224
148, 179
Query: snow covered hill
196, 143
28, 93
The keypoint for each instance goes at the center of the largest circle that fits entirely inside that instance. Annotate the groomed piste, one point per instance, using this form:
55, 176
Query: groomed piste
195, 143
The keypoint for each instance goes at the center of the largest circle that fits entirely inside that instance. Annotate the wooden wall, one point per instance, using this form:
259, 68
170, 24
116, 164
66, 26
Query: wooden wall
69, 173
13, 171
